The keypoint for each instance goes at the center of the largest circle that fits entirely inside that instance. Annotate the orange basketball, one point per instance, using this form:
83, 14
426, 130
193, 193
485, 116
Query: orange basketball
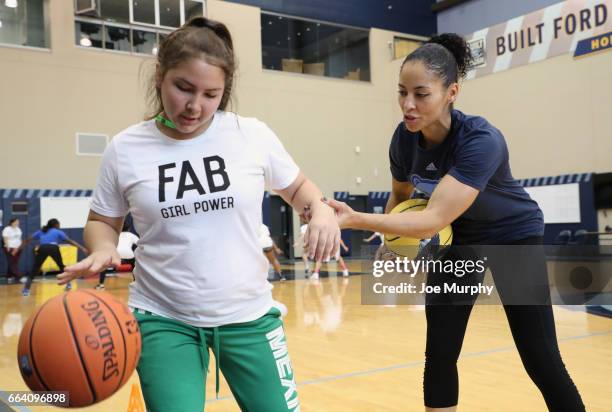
84, 342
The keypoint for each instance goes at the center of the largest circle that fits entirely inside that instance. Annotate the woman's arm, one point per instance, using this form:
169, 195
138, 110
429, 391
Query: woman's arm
101, 235
323, 234
448, 201
400, 191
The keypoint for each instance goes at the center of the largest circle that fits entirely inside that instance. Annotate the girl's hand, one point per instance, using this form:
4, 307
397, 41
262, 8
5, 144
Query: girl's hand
90, 266
322, 238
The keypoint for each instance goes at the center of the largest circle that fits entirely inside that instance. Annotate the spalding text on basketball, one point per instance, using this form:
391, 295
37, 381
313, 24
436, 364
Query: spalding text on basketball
111, 367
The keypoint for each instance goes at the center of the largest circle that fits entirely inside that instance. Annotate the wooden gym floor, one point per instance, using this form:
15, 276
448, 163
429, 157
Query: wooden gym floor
350, 357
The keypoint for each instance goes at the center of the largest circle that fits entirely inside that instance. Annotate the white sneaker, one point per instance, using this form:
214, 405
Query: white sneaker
314, 276
345, 272
23, 279
100, 286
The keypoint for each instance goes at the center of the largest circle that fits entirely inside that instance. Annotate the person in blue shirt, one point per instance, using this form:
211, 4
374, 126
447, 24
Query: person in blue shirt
49, 238
460, 163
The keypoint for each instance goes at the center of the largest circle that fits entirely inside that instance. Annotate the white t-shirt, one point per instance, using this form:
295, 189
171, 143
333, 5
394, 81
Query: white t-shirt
265, 241
14, 237
124, 246
197, 206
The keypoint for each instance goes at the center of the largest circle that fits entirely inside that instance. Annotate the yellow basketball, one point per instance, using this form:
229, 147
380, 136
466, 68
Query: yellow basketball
414, 247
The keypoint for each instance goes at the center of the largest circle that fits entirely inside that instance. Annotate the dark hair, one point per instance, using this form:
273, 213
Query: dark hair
52, 223
13, 220
198, 38
447, 55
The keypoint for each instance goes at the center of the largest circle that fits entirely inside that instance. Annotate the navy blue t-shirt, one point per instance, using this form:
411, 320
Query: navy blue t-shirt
474, 153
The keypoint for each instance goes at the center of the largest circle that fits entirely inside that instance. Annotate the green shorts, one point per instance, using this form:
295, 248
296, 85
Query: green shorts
252, 356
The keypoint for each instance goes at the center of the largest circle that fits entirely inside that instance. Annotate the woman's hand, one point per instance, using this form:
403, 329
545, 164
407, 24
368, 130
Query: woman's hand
322, 238
90, 266
344, 214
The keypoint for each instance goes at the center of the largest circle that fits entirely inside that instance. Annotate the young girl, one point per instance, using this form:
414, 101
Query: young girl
11, 240
270, 251
460, 162
193, 179
126, 244
49, 237
337, 258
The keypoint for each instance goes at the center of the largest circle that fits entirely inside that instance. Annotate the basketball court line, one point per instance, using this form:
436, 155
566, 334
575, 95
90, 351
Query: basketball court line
4, 396
416, 363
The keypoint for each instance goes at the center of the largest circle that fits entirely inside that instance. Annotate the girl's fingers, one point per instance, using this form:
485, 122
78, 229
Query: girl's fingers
321, 249
313, 243
305, 239
329, 246
336, 243
89, 266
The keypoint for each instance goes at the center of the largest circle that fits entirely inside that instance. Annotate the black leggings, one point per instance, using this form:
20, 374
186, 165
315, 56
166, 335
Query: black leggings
43, 252
123, 262
532, 326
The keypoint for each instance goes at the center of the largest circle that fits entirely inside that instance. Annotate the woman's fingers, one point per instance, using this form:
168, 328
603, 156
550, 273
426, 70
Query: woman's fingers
336, 205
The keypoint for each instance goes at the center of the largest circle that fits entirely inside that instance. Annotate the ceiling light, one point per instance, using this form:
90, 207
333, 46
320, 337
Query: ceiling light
11, 3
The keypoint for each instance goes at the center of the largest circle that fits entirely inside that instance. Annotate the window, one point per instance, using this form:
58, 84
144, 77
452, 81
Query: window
193, 9
19, 208
24, 25
115, 11
402, 47
303, 46
164, 13
169, 13
84, 6
144, 12
89, 34
144, 41
117, 38
133, 26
